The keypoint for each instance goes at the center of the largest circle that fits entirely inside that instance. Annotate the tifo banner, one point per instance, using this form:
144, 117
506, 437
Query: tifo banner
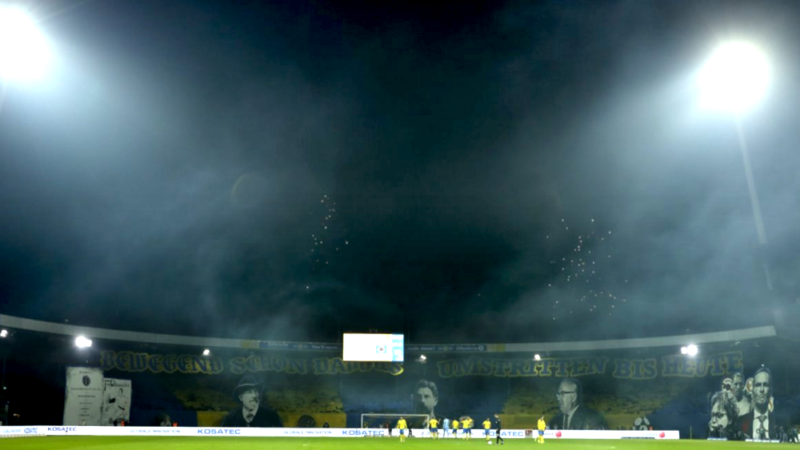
623, 368
610, 391
116, 401
127, 361
84, 396
327, 432
744, 408
634, 369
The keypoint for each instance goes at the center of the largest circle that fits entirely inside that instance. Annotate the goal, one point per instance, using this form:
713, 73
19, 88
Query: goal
374, 420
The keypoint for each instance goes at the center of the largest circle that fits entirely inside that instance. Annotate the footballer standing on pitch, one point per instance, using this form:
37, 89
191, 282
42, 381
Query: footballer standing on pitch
402, 426
541, 425
498, 427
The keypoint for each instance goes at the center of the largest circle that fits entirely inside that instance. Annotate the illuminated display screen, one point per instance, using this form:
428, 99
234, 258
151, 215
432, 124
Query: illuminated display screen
373, 347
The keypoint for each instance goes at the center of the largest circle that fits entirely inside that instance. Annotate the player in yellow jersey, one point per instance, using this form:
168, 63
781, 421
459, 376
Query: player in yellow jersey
434, 425
487, 425
541, 425
401, 425
455, 428
467, 428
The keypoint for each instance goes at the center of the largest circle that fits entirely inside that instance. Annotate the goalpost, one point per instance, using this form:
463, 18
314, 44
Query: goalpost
375, 420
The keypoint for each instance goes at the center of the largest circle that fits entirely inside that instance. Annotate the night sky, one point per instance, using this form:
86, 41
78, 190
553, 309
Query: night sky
497, 172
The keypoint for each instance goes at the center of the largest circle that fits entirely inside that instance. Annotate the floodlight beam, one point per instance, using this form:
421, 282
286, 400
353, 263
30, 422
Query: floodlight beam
736, 77
24, 51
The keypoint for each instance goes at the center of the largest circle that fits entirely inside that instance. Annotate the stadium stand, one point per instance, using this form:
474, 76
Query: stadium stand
191, 398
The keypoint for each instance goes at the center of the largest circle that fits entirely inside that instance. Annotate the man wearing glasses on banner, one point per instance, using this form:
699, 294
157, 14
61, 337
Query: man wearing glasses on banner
573, 414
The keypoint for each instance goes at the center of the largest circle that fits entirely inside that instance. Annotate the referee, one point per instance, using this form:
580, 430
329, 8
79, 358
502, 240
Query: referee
497, 429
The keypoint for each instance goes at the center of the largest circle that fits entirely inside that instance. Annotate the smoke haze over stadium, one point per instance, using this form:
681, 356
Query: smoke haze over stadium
497, 172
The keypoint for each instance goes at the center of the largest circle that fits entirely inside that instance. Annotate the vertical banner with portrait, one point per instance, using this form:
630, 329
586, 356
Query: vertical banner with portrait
743, 409
116, 401
84, 396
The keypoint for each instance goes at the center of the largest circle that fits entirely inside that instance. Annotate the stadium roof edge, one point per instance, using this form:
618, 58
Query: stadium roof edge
20, 323
663, 341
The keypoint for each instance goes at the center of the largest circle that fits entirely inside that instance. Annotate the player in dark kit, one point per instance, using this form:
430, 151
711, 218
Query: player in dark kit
498, 427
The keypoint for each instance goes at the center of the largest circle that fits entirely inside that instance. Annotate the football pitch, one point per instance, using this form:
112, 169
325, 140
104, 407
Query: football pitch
224, 443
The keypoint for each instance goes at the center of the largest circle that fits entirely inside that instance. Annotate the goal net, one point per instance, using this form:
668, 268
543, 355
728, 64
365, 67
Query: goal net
374, 420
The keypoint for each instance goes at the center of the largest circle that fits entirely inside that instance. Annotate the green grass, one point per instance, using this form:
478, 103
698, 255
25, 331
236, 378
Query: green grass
225, 443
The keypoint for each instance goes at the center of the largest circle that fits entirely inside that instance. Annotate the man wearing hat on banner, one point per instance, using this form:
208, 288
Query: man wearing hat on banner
249, 393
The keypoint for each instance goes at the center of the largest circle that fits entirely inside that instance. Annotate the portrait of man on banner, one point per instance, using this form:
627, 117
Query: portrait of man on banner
116, 406
573, 414
249, 393
744, 400
760, 422
426, 397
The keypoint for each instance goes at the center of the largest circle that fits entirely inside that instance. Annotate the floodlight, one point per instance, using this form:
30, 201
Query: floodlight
684, 350
734, 78
690, 350
537, 357
3, 333
24, 51
423, 357
206, 352
83, 342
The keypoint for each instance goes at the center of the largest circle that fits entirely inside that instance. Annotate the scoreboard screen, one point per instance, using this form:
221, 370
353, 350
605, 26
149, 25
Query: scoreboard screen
373, 347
